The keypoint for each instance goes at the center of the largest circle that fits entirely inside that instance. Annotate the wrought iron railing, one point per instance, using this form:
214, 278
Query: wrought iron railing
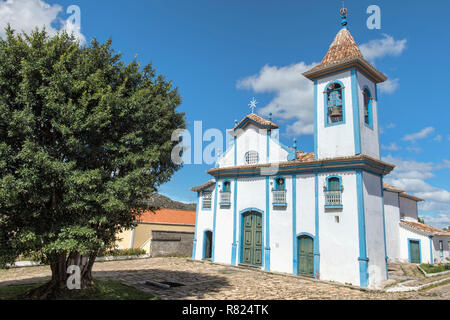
279, 197
333, 198
225, 197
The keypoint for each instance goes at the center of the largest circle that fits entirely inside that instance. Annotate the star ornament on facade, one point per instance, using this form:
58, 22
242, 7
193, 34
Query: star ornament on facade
253, 104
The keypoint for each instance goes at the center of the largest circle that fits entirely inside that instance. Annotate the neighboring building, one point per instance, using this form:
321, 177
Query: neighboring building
408, 240
165, 232
317, 214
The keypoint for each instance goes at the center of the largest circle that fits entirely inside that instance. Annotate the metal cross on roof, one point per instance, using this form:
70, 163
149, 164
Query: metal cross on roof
253, 104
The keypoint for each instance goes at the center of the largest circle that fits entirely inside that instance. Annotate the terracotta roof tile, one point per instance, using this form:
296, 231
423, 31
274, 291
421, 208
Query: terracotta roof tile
171, 216
259, 120
204, 186
344, 52
342, 49
423, 227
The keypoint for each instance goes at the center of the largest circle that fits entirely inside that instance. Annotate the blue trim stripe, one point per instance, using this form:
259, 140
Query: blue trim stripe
234, 245
316, 121
384, 229
214, 222
268, 133
267, 225
363, 259
194, 245
355, 105
294, 226
316, 238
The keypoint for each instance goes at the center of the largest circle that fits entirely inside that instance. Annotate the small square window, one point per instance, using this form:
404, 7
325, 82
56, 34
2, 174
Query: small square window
206, 199
251, 157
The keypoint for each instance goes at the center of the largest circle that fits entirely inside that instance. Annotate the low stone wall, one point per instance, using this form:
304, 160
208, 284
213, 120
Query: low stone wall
171, 243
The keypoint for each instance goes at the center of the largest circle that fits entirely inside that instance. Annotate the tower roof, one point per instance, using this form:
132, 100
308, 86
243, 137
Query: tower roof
344, 53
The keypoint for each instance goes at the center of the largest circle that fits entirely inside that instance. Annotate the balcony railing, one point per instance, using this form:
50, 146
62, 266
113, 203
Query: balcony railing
225, 198
333, 198
279, 197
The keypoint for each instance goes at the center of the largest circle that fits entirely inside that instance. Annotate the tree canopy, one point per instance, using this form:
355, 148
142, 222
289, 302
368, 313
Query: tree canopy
84, 139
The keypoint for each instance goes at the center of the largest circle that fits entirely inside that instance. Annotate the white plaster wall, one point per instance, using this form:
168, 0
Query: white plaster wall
252, 139
277, 153
204, 223
227, 159
251, 194
373, 213
338, 140
305, 219
339, 246
408, 207
438, 255
224, 227
424, 244
392, 214
281, 237
369, 137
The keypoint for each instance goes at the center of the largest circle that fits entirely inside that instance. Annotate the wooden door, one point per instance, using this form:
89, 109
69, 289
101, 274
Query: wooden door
306, 256
208, 245
252, 239
414, 247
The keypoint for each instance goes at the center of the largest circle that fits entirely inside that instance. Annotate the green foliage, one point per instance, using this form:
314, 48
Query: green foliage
421, 220
102, 290
122, 253
435, 268
84, 138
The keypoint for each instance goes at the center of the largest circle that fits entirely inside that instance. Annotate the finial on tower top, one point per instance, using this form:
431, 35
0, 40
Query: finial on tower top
343, 13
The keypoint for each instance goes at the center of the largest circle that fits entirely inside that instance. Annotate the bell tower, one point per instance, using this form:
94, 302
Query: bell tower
345, 100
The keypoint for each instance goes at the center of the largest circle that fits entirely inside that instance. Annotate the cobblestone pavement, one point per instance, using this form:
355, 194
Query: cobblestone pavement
217, 282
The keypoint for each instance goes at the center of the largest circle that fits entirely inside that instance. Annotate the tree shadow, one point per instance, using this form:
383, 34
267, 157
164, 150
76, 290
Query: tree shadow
193, 285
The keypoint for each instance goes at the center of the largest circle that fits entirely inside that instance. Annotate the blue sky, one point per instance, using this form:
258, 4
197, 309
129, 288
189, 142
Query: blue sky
222, 53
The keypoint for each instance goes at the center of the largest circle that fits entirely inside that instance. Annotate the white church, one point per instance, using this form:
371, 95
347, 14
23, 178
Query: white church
325, 214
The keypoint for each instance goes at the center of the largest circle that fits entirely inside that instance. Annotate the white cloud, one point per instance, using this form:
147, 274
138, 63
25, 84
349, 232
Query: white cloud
392, 147
419, 135
410, 176
389, 86
294, 95
414, 149
26, 15
380, 48
438, 138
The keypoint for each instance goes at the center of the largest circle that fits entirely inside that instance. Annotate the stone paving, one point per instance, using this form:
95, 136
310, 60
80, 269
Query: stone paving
218, 282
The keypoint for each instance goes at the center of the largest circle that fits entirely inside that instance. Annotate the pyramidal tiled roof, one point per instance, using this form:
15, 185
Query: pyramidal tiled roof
344, 52
342, 49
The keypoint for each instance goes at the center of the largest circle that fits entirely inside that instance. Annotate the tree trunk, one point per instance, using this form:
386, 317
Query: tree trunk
58, 286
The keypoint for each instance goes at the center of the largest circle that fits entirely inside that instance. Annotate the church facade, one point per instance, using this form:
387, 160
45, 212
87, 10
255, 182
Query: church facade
323, 214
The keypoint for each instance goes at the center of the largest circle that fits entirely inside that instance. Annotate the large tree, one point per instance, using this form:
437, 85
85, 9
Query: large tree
84, 139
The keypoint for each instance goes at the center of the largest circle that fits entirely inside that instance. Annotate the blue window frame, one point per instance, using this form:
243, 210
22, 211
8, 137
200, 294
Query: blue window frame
279, 192
334, 103
368, 106
226, 186
280, 184
333, 192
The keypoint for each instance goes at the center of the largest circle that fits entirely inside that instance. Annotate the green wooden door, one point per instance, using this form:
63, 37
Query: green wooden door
252, 239
306, 256
208, 245
414, 247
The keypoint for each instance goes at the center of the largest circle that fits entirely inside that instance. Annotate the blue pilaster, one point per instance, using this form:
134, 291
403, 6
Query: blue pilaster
363, 259
267, 225
355, 106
